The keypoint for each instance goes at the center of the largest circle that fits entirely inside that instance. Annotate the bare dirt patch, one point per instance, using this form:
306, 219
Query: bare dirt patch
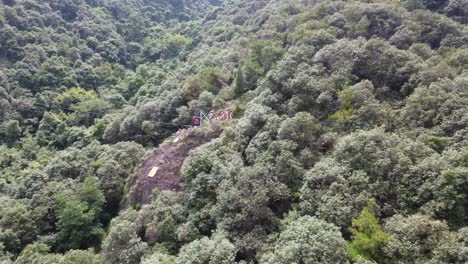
168, 158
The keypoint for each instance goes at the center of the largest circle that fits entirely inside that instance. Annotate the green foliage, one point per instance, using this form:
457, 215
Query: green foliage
213, 78
111, 164
81, 106
419, 238
159, 258
209, 79
242, 206
214, 250
17, 227
193, 87
368, 238
172, 45
39, 253
438, 143
360, 29
346, 105
463, 237
413, 4
247, 77
265, 53
358, 106
445, 96
240, 82
82, 256
336, 103
308, 240
122, 245
73, 96
10, 131
78, 216
162, 220
303, 129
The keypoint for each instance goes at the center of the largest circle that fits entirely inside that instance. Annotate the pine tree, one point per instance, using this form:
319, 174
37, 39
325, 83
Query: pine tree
368, 236
240, 83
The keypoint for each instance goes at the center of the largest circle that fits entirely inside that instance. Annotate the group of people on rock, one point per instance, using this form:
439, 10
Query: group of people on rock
226, 114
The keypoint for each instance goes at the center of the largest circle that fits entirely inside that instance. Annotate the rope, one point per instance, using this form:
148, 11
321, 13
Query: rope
201, 114
73, 110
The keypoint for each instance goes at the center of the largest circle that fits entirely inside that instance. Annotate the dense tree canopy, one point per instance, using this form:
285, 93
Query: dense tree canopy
349, 143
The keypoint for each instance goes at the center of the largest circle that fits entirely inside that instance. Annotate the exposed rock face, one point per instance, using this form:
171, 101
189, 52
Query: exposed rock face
168, 159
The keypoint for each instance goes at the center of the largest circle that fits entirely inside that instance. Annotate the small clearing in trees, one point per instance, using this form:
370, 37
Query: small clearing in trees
167, 161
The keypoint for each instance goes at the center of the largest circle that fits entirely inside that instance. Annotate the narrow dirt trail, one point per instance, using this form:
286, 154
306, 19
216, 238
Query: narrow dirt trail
169, 159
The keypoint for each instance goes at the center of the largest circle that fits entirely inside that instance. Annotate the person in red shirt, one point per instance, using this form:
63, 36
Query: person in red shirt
195, 121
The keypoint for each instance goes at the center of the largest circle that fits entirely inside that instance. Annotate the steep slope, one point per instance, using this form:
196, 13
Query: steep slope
353, 128
166, 162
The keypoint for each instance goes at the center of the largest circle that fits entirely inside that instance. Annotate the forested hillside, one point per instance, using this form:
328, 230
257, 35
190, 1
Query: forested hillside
349, 144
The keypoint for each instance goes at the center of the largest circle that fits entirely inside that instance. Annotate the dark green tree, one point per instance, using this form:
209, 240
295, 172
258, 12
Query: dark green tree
78, 216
